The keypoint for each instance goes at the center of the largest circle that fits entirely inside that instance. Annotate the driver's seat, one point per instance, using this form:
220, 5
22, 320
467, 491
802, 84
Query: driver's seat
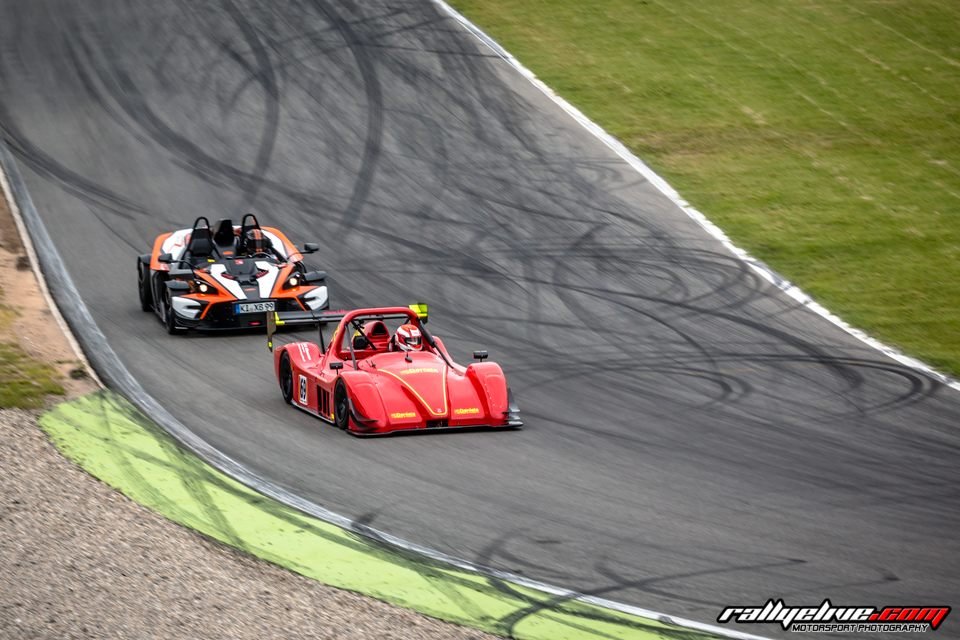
377, 334
225, 239
374, 338
200, 246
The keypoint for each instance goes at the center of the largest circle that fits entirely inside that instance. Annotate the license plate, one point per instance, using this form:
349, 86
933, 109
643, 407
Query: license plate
254, 307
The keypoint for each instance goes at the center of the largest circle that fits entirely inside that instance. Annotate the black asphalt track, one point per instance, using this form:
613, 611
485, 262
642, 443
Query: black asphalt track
694, 439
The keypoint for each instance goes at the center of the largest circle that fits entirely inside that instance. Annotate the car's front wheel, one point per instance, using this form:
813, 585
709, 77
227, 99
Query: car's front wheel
286, 377
169, 316
143, 283
341, 404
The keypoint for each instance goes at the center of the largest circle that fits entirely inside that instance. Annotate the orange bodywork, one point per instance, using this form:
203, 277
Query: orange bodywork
219, 292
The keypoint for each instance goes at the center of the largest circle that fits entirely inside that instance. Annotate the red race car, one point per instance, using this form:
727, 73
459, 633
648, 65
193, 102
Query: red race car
371, 381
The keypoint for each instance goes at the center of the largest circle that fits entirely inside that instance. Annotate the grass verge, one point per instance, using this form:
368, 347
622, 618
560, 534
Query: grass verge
113, 441
823, 137
24, 381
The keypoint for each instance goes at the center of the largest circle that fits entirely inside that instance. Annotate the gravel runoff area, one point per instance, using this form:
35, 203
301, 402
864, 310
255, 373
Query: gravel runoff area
80, 560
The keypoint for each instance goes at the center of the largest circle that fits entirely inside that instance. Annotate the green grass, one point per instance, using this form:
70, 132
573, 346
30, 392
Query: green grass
822, 136
113, 441
24, 382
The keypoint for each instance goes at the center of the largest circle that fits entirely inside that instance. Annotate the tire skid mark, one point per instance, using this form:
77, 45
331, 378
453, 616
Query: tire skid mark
374, 95
267, 79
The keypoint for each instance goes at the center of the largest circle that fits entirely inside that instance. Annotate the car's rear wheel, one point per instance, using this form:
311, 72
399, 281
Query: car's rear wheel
341, 404
143, 283
286, 377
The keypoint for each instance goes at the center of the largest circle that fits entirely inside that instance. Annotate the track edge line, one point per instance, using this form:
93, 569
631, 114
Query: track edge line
6, 191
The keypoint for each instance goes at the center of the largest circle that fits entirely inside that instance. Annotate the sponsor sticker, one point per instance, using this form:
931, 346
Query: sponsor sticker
407, 372
400, 415
827, 618
466, 411
302, 385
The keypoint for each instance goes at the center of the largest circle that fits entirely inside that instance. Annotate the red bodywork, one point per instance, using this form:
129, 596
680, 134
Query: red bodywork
392, 391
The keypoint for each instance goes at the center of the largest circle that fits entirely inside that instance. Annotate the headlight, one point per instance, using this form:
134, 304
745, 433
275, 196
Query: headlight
203, 287
293, 281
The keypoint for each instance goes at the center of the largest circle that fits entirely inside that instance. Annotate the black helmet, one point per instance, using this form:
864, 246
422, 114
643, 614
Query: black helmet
255, 242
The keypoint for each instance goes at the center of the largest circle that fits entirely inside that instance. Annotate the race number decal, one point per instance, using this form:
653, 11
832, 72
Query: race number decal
303, 389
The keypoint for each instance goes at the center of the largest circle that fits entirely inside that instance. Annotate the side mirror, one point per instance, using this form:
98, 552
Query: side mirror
165, 258
310, 247
336, 366
480, 355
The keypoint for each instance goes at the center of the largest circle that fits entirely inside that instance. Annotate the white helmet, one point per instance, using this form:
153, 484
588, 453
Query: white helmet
408, 338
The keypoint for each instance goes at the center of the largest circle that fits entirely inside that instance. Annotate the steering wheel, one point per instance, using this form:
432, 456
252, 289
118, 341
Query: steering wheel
262, 254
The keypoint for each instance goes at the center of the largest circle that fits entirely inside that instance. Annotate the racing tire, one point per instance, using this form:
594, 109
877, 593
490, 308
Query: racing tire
286, 378
169, 317
143, 284
341, 406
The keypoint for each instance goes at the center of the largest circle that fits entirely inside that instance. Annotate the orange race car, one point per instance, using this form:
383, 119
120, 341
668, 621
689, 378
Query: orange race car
227, 277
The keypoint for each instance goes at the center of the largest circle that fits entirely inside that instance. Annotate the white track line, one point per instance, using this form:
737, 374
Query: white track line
763, 270
42, 283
